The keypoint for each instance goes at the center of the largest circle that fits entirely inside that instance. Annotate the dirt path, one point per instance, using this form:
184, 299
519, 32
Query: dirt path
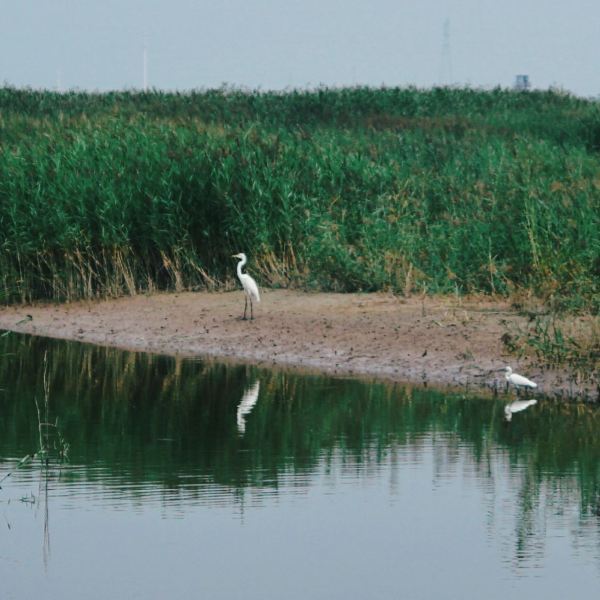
438, 341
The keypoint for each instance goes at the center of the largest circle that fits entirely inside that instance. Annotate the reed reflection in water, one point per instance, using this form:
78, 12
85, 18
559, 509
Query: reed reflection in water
363, 489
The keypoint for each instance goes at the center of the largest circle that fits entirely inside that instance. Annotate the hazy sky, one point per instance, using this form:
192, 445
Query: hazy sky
273, 44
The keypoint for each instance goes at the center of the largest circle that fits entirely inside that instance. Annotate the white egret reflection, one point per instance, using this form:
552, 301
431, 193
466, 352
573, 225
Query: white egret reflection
517, 406
246, 405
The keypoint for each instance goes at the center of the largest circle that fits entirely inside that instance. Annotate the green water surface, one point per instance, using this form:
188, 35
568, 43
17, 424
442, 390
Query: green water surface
167, 478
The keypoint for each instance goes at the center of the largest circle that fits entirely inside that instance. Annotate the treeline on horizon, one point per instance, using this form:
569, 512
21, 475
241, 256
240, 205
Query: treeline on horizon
415, 191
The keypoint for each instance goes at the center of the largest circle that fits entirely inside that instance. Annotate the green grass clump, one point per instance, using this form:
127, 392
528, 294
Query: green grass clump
571, 343
445, 190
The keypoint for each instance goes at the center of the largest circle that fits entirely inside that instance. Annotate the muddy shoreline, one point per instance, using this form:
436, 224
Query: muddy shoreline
438, 341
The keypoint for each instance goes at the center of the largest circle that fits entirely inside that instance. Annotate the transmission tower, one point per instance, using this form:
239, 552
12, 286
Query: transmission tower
145, 67
446, 60
144, 61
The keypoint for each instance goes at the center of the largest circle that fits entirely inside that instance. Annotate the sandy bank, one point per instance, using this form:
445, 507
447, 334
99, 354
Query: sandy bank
438, 341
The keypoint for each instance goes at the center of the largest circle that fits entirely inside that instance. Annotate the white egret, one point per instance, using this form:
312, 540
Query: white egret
249, 285
246, 405
518, 380
517, 406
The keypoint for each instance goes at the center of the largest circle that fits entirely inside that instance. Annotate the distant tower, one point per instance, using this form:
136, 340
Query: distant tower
446, 61
522, 83
145, 67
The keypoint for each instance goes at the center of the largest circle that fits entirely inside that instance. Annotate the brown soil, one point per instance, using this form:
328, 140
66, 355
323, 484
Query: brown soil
436, 341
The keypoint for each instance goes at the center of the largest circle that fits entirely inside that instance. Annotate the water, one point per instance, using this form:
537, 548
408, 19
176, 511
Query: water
192, 479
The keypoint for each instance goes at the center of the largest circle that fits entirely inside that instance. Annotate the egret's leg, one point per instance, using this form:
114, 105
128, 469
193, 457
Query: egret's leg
245, 306
251, 311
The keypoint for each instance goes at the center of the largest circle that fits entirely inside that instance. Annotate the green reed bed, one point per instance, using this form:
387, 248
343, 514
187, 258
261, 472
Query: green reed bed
446, 190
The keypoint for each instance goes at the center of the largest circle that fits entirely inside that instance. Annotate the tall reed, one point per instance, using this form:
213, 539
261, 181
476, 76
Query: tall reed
353, 189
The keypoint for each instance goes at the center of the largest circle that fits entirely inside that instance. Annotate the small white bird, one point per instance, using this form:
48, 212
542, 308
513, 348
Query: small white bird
517, 406
249, 285
246, 405
518, 380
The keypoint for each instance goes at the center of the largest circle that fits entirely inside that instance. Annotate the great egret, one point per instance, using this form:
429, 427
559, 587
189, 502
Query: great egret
517, 406
249, 285
246, 405
518, 380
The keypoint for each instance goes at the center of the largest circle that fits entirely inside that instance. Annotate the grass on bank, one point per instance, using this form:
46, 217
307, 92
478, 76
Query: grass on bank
437, 191
566, 342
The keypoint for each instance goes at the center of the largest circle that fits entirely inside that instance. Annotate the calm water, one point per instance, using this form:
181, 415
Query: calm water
187, 479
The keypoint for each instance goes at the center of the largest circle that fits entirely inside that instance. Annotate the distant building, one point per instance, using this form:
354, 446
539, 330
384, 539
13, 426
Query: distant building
522, 83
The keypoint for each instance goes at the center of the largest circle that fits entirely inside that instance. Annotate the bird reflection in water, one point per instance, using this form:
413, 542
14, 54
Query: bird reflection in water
246, 405
517, 406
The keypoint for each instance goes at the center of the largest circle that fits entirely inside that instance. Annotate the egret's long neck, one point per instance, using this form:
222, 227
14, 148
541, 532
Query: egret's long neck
240, 265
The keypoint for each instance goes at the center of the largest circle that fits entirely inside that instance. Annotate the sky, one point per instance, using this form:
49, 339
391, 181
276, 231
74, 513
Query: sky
98, 45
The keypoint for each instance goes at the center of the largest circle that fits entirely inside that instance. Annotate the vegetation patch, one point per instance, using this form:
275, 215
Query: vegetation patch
568, 342
437, 191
